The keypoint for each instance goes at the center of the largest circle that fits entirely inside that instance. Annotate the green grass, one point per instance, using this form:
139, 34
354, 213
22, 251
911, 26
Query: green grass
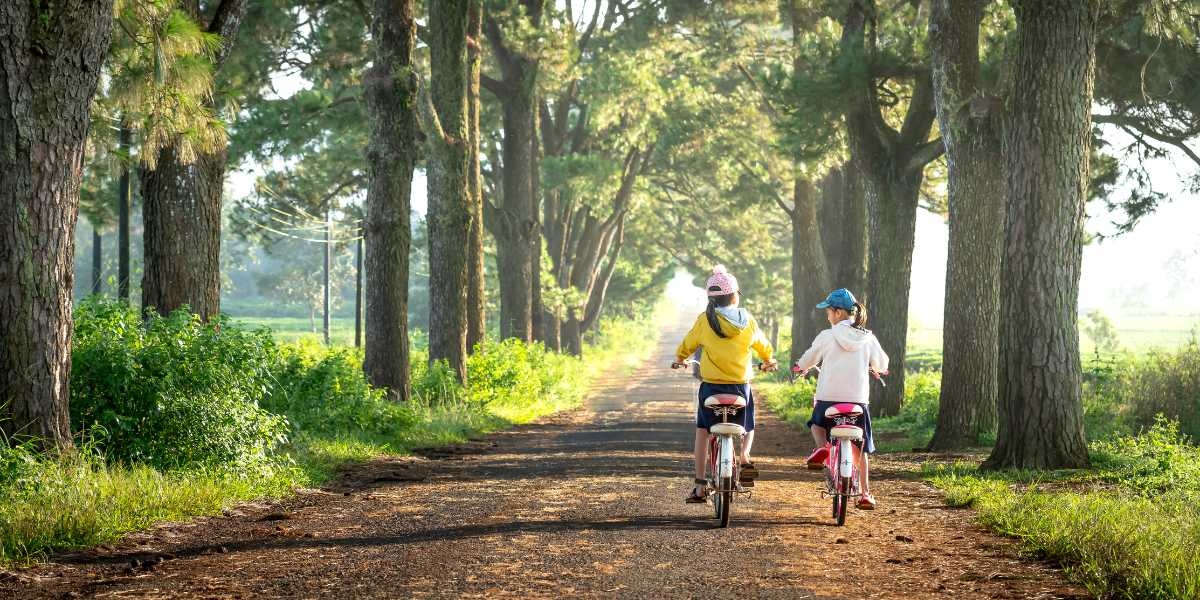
1128, 528
50, 504
294, 329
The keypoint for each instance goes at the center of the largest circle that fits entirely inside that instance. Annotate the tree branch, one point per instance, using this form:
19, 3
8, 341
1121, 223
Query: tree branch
925, 154
1126, 123
225, 23
430, 122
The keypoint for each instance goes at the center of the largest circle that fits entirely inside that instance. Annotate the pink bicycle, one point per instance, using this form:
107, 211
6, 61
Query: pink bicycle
845, 448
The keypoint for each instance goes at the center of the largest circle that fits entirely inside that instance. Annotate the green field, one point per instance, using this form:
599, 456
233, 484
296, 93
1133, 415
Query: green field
292, 329
1135, 332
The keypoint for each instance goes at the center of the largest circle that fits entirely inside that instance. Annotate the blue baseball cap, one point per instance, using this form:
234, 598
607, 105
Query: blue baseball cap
839, 298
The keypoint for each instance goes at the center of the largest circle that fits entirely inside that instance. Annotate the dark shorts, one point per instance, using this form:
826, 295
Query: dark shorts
818, 418
706, 418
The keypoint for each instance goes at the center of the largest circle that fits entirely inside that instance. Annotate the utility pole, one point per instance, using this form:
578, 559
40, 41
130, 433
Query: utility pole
123, 216
97, 255
358, 281
328, 243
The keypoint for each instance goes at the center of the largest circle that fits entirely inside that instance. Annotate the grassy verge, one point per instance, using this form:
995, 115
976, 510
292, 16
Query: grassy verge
89, 497
1128, 528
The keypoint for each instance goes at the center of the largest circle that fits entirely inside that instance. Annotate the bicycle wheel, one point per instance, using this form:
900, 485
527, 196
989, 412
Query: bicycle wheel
839, 508
724, 500
714, 477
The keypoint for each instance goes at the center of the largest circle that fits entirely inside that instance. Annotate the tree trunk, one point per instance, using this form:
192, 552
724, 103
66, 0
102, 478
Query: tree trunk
123, 208
1046, 147
970, 125
843, 218
476, 298
852, 264
390, 94
892, 164
810, 274
893, 220
50, 58
181, 213
514, 225
450, 210
181, 207
97, 261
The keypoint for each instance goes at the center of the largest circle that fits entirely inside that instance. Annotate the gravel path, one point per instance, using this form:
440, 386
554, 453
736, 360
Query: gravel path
584, 504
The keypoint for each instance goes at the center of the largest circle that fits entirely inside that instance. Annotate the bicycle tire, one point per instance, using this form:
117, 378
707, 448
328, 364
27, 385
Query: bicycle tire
713, 476
844, 495
725, 499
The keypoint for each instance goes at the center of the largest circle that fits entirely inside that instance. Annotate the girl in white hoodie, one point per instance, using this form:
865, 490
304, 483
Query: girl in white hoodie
847, 353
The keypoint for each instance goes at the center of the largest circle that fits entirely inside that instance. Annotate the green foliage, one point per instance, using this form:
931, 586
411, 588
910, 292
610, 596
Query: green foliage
1126, 391
1100, 329
172, 391
323, 392
915, 423
1124, 530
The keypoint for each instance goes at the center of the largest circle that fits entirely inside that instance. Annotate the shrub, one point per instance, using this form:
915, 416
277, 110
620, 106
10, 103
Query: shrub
172, 392
1123, 392
324, 390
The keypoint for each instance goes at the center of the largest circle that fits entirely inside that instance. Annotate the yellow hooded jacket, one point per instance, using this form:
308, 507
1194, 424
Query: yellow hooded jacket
725, 360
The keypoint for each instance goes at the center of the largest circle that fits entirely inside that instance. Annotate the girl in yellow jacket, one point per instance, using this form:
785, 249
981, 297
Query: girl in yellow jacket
726, 334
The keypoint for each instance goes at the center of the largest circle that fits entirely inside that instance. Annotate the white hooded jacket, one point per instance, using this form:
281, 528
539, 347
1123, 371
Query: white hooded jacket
844, 354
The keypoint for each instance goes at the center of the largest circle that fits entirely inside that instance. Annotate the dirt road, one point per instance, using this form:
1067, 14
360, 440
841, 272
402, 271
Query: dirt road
585, 504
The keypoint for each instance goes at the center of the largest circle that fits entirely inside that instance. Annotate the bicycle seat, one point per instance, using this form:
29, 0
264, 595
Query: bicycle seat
727, 429
850, 432
733, 400
844, 408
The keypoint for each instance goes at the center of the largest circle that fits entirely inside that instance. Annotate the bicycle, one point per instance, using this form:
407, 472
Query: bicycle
842, 481
722, 472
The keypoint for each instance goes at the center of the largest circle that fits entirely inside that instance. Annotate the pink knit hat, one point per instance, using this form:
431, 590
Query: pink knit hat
721, 283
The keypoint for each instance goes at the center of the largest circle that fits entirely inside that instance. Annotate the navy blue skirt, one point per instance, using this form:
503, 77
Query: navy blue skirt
706, 418
818, 418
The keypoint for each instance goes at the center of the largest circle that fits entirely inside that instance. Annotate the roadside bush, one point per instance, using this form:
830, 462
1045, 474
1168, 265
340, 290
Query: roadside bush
172, 391
323, 390
1158, 460
1123, 392
918, 415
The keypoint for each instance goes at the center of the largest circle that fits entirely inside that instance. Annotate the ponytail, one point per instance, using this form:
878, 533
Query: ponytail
860, 316
711, 312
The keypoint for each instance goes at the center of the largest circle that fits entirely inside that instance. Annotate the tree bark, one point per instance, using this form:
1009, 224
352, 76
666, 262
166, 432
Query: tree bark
181, 207
970, 125
810, 273
390, 94
476, 297
843, 218
514, 224
893, 222
450, 210
892, 164
181, 214
1046, 148
123, 207
50, 58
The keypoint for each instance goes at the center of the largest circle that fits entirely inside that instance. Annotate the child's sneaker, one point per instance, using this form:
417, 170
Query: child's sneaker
865, 502
816, 460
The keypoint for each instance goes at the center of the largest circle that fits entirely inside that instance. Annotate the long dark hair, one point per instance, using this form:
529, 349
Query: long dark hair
711, 311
